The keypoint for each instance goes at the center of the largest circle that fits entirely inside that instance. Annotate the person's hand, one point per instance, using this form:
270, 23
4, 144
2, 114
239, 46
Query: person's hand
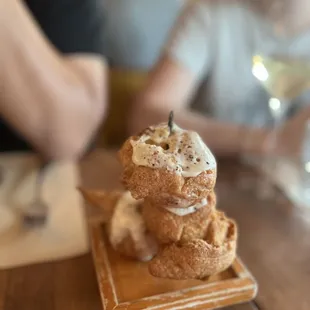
291, 135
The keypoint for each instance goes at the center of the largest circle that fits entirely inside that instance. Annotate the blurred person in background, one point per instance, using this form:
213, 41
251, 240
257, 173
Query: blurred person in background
136, 31
52, 75
208, 61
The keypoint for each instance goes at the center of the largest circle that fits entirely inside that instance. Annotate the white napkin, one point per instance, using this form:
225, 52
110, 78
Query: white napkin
65, 233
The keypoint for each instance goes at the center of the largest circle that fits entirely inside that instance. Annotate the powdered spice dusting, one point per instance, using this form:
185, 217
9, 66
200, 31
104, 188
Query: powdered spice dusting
183, 152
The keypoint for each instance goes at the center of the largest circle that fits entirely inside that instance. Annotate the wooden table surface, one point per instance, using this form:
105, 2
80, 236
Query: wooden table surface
274, 243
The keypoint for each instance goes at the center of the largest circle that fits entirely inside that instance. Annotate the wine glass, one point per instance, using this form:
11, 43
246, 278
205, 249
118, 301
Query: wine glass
284, 78
304, 185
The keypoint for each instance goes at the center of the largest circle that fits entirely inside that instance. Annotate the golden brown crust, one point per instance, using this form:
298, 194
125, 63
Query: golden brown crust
145, 182
201, 185
168, 227
172, 201
199, 258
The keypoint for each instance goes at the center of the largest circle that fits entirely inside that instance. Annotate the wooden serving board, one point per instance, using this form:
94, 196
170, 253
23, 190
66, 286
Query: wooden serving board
127, 284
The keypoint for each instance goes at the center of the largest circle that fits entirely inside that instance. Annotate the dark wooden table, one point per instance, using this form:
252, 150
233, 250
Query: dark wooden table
274, 244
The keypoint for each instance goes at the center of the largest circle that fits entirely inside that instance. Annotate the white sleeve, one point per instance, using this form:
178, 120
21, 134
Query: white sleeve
189, 43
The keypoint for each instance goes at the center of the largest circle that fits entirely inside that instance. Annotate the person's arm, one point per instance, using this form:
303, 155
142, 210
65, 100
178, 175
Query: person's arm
174, 80
55, 102
170, 88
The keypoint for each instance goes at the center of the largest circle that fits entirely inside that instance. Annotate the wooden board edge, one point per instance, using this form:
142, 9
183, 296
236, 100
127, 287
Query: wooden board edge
103, 269
243, 272
210, 296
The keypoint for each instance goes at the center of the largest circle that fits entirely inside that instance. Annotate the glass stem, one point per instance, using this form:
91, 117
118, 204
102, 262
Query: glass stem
278, 117
268, 162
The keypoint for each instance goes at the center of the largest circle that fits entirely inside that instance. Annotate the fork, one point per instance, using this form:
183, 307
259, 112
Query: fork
37, 213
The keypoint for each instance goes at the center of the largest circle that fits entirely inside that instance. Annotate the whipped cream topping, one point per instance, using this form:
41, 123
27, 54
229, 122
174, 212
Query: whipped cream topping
127, 220
189, 210
183, 152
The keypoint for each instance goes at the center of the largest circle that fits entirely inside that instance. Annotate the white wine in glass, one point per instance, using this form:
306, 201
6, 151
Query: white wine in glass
284, 78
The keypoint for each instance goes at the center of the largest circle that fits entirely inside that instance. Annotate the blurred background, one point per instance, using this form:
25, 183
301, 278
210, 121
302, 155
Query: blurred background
237, 72
135, 33
249, 75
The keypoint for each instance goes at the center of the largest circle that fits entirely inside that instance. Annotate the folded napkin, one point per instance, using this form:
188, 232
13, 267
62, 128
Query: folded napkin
65, 233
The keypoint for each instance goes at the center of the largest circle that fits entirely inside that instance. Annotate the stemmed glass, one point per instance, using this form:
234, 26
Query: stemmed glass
304, 185
284, 78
